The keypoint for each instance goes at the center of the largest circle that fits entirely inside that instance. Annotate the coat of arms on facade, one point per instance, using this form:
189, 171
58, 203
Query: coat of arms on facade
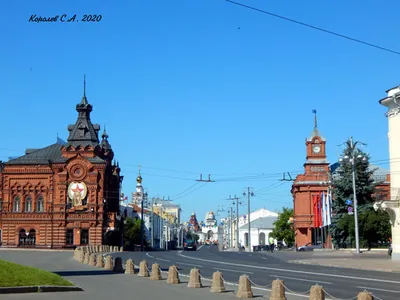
77, 192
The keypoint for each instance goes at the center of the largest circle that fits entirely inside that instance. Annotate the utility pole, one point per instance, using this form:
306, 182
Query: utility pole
237, 218
352, 159
286, 179
230, 228
203, 180
249, 193
144, 197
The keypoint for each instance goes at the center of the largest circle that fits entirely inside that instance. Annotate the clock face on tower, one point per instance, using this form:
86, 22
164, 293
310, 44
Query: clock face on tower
316, 149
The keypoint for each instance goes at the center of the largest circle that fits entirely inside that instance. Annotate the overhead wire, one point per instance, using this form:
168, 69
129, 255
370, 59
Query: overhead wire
314, 27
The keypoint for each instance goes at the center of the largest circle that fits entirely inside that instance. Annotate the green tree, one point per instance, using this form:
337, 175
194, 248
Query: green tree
132, 233
283, 228
342, 228
190, 235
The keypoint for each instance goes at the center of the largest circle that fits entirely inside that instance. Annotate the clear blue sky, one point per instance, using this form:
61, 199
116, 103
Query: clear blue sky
180, 87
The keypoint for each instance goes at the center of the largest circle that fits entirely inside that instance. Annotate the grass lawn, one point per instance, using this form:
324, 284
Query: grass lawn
12, 274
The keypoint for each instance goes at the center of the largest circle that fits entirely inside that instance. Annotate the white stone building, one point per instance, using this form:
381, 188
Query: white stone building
392, 204
209, 229
243, 220
260, 230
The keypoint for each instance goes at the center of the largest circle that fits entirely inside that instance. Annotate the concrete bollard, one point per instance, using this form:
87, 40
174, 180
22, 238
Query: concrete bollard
277, 290
92, 259
99, 261
130, 267
218, 285
81, 256
173, 276
155, 272
244, 289
121, 249
317, 293
118, 265
86, 258
109, 263
195, 279
365, 296
143, 269
116, 249
76, 253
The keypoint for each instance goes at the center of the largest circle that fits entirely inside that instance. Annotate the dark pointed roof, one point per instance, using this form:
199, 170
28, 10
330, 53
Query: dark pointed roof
315, 132
104, 143
46, 155
83, 132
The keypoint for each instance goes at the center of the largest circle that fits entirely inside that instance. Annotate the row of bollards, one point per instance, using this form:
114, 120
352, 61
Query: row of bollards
218, 284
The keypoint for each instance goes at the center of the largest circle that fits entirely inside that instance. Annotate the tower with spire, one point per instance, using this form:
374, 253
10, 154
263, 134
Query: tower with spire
139, 193
75, 182
311, 183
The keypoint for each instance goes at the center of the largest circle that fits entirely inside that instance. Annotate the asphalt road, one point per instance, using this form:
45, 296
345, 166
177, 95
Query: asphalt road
263, 268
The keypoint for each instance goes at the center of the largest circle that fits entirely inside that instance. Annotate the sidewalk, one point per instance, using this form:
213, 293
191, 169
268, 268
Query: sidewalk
372, 261
104, 285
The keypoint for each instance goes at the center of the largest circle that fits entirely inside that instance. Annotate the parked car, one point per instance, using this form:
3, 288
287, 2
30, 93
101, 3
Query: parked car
309, 247
190, 245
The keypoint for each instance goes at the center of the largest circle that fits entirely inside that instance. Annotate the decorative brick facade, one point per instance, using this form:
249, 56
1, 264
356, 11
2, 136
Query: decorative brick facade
63, 195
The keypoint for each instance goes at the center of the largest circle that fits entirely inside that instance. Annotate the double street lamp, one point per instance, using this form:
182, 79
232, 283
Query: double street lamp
249, 194
144, 197
352, 159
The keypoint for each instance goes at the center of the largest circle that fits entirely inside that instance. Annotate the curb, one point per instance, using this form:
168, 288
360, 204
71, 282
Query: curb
342, 267
39, 289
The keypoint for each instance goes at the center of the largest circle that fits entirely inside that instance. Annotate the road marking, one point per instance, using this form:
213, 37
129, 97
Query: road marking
229, 270
264, 258
163, 259
182, 263
382, 290
201, 246
147, 254
299, 279
292, 271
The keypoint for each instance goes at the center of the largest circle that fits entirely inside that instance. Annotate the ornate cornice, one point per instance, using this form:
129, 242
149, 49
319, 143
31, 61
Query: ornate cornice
392, 112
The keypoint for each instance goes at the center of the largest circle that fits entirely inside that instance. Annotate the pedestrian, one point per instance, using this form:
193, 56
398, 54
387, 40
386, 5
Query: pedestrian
271, 244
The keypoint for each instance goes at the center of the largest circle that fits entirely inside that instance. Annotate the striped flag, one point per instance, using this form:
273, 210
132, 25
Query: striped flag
329, 209
323, 200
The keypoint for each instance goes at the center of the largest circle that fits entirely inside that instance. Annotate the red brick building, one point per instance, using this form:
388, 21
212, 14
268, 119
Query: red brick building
312, 182
65, 194
315, 181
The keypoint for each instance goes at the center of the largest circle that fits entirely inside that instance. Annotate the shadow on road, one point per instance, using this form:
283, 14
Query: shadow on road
84, 273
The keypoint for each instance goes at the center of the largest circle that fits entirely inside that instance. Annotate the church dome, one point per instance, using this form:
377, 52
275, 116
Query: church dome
139, 179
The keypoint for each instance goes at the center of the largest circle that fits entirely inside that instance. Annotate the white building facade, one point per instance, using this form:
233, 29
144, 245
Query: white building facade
392, 205
255, 237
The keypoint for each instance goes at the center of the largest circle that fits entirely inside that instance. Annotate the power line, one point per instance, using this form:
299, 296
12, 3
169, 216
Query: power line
192, 186
314, 27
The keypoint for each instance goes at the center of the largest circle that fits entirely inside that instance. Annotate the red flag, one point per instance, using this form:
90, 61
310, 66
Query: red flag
315, 208
320, 211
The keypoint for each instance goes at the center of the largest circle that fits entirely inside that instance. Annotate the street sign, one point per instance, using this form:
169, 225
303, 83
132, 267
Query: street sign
350, 210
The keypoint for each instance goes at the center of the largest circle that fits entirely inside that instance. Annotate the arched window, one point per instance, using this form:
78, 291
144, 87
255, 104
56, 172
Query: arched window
22, 237
28, 204
32, 237
246, 239
40, 204
17, 204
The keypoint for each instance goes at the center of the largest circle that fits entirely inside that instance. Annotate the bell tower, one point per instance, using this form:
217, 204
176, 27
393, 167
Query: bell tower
313, 182
315, 151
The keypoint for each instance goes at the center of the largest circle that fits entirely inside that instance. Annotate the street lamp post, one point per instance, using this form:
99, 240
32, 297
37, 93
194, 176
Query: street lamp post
50, 208
352, 160
144, 196
249, 193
